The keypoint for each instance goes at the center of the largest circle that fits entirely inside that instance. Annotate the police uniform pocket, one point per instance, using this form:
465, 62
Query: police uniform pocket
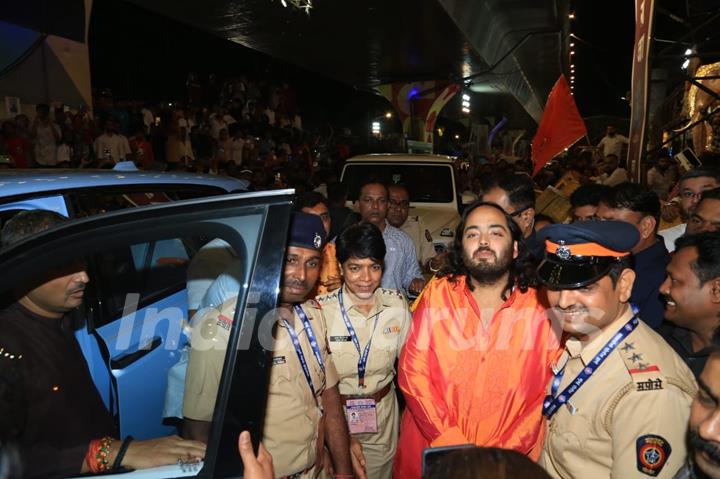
280, 369
569, 438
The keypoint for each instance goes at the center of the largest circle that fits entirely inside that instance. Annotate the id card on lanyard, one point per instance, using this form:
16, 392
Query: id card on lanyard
361, 413
298, 348
364, 353
553, 402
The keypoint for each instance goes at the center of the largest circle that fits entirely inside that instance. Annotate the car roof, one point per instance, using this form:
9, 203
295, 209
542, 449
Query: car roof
20, 182
402, 158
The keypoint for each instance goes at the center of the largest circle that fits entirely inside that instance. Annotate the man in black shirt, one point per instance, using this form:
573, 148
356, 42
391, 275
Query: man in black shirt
49, 405
632, 203
692, 296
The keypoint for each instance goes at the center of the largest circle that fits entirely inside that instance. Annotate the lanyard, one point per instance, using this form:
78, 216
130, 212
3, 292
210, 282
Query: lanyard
364, 354
298, 349
552, 403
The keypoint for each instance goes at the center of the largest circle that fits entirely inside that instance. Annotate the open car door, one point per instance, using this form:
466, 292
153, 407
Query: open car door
139, 320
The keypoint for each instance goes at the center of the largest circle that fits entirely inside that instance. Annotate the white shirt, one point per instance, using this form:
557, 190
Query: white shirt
671, 234
613, 145
114, 146
64, 153
616, 177
46, 145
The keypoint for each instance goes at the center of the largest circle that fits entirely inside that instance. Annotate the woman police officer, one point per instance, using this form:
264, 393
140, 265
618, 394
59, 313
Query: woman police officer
366, 328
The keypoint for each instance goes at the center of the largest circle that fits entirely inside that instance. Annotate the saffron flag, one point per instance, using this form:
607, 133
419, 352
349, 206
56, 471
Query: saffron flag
560, 127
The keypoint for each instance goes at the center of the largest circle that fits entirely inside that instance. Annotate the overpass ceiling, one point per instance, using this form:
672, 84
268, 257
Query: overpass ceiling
366, 43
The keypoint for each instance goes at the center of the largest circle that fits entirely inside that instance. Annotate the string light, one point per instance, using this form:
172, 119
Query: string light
298, 4
466, 103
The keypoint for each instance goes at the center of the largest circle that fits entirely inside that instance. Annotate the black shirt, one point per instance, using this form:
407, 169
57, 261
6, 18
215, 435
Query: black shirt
535, 246
49, 405
681, 341
650, 273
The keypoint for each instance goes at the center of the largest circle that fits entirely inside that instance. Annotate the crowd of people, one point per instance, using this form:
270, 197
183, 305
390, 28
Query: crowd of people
242, 128
587, 345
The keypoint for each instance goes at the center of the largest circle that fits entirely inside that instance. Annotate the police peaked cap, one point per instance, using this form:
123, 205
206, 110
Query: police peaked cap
307, 231
581, 253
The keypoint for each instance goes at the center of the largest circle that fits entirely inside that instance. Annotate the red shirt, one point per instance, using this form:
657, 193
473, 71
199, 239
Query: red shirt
142, 149
18, 148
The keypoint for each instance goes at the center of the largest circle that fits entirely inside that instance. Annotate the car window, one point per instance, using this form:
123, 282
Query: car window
102, 200
427, 183
152, 270
132, 354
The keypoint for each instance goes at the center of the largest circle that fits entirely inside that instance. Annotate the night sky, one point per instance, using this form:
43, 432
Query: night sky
603, 58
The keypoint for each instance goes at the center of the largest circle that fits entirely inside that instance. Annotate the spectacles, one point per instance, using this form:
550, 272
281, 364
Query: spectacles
399, 204
519, 212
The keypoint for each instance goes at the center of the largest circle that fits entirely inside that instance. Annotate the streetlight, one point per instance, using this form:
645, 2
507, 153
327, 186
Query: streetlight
388, 115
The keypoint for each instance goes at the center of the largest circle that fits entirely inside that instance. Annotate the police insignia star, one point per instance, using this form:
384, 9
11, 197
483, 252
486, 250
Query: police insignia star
653, 452
563, 252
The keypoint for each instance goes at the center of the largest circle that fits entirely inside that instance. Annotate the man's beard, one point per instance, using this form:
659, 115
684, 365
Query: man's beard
485, 272
699, 444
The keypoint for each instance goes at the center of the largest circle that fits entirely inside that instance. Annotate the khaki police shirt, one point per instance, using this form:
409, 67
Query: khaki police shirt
292, 413
629, 420
393, 323
415, 229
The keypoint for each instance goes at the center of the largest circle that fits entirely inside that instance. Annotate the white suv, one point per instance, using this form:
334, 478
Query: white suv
430, 180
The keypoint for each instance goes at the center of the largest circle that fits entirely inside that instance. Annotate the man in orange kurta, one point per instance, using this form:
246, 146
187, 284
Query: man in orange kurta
476, 363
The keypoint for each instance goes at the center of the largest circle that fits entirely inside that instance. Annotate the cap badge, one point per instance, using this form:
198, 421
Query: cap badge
563, 252
317, 240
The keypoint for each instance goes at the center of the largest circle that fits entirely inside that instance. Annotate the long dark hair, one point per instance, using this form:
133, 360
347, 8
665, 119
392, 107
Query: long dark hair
522, 272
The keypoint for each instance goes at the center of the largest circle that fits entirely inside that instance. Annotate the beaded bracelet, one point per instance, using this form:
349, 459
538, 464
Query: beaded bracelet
101, 457
98, 453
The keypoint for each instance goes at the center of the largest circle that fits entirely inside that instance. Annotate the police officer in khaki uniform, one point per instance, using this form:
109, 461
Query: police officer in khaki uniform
303, 399
366, 328
620, 398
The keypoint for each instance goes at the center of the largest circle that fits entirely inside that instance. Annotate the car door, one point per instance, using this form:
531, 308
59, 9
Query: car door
139, 349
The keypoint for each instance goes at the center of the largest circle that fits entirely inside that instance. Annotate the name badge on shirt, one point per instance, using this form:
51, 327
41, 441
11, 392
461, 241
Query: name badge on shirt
337, 339
361, 415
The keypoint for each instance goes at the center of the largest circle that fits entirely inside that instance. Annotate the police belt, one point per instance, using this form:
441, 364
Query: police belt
378, 396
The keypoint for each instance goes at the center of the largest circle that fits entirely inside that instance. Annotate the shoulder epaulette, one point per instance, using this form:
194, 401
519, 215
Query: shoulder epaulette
644, 372
326, 297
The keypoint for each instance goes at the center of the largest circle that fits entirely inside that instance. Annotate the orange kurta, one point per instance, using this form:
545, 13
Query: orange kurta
329, 269
465, 382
